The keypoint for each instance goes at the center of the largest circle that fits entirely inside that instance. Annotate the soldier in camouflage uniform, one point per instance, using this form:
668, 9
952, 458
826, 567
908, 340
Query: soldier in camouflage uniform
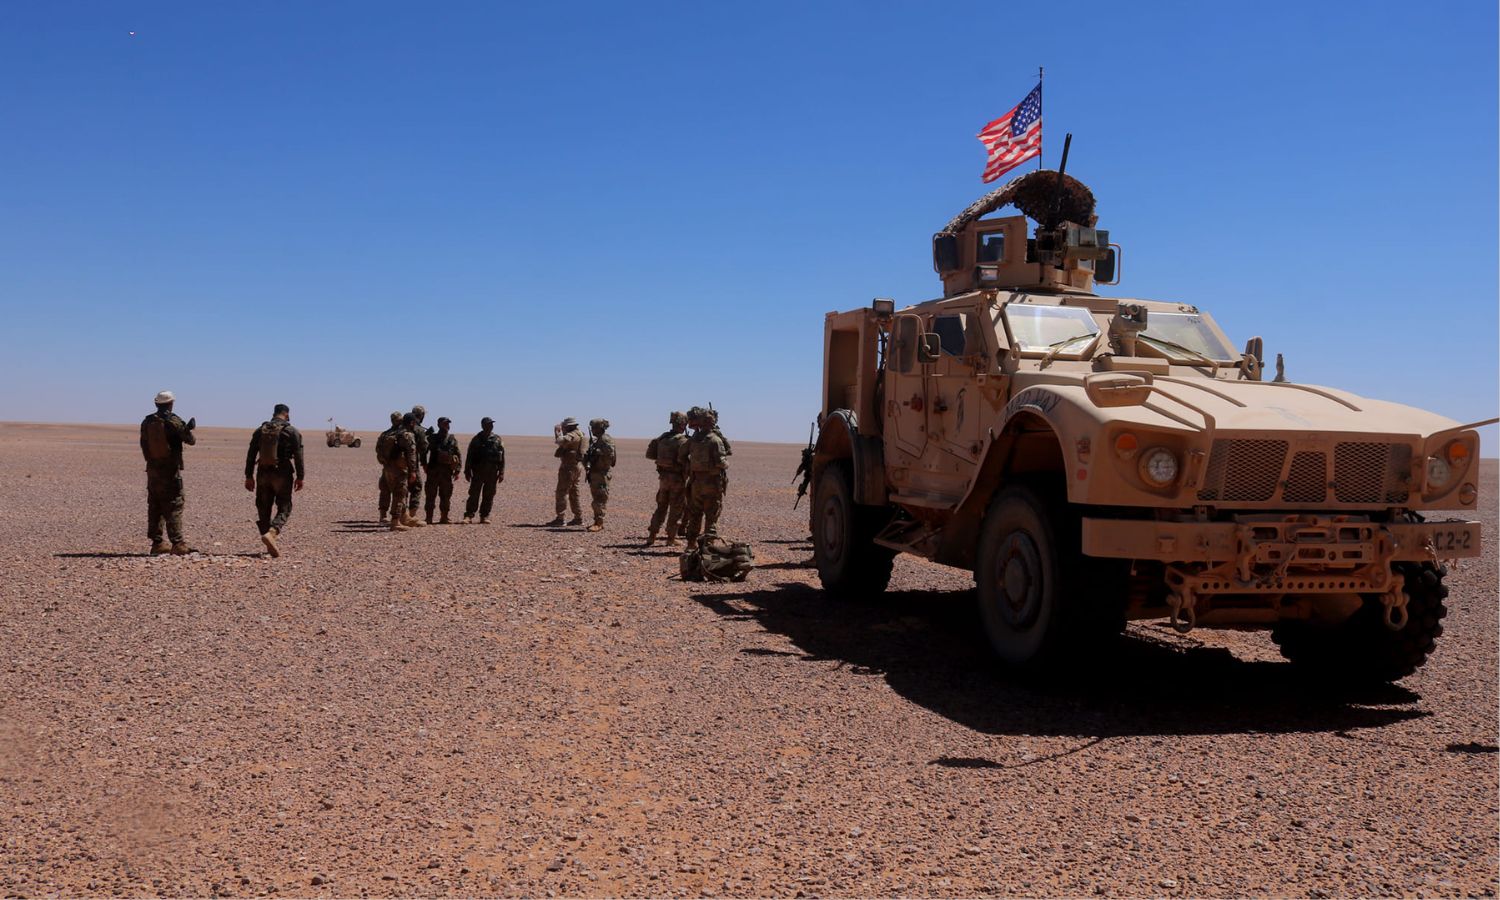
669, 451
572, 444
397, 449
707, 465
713, 419
162, 437
599, 460
444, 460
420, 435
273, 470
484, 467
385, 489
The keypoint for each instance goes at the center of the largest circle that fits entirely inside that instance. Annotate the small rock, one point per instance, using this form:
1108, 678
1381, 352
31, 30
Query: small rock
1167, 883
1132, 817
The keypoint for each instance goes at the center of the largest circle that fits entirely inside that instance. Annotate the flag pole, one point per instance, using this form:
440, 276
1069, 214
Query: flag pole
1039, 72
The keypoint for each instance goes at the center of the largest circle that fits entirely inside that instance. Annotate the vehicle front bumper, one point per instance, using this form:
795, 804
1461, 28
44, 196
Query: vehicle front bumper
1293, 541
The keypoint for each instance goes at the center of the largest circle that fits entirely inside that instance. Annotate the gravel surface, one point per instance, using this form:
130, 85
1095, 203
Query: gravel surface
518, 709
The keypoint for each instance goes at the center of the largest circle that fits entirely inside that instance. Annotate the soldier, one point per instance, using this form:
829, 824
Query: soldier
397, 450
601, 457
418, 412
706, 467
443, 464
713, 418
669, 450
273, 470
162, 437
385, 489
484, 466
571, 447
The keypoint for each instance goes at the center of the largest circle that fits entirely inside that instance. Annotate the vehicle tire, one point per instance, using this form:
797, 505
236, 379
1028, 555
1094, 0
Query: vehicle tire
1361, 650
354, 443
330, 442
850, 564
1020, 579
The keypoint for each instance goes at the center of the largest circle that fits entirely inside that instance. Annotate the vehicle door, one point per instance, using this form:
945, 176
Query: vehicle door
956, 383
905, 392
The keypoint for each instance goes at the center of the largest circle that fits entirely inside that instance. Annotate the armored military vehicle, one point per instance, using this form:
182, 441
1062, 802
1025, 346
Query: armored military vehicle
339, 436
1095, 460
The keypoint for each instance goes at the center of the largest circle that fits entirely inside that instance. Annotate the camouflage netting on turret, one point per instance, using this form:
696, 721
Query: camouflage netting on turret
1034, 195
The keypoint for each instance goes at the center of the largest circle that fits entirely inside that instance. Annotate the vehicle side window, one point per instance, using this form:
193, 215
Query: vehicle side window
950, 330
908, 330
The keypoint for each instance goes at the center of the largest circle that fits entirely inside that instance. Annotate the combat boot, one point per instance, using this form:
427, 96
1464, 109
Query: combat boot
444, 520
269, 539
181, 548
650, 539
468, 520
396, 524
382, 517
160, 547
484, 520
597, 526
576, 520
412, 521
672, 540
429, 517
555, 523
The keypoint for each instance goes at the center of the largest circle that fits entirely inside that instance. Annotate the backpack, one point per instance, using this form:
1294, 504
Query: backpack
270, 443
158, 448
651, 450
385, 445
715, 559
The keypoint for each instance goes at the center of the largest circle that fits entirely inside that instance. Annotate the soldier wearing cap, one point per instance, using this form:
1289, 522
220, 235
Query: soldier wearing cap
443, 464
273, 470
572, 444
420, 435
162, 437
381, 443
484, 467
707, 468
598, 461
669, 451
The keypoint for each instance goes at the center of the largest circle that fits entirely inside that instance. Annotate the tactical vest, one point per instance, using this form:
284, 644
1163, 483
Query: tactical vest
158, 448
489, 450
384, 445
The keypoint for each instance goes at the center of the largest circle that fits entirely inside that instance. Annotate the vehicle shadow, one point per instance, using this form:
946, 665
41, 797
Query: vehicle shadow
929, 647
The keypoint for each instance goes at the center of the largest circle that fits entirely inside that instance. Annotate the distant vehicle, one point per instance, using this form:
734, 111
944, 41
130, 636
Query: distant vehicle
338, 436
1096, 460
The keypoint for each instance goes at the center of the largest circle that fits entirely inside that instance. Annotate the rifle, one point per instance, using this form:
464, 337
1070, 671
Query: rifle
805, 469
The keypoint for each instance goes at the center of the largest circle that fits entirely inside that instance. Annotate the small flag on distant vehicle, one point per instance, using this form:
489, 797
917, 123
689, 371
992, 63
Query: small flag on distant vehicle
1014, 137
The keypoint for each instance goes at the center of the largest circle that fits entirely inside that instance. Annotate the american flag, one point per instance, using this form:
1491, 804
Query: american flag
1014, 137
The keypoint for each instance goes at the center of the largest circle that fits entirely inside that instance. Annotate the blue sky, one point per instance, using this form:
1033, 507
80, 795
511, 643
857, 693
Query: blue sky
542, 210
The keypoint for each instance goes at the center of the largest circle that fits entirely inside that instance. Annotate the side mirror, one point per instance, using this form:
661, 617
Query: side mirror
1106, 270
929, 348
944, 252
1254, 359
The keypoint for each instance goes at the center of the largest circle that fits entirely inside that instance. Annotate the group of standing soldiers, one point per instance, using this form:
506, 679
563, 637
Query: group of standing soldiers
692, 475
406, 452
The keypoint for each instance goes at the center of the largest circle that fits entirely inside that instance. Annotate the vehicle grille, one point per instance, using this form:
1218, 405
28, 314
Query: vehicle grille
1371, 472
1250, 471
1243, 470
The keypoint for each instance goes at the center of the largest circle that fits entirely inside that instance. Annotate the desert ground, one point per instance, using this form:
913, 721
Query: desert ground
516, 709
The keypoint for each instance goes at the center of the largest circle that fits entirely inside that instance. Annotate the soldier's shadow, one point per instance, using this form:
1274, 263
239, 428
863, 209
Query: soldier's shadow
197, 553
929, 647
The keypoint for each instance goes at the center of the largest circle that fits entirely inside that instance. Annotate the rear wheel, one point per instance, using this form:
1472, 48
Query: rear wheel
850, 564
1362, 649
354, 443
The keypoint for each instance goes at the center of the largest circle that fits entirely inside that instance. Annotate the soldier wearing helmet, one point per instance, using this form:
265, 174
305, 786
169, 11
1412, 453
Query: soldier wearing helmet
162, 437
444, 460
669, 451
484, 467
398, 457
599, 460
381, 443
572, 444
707, 468
421, 436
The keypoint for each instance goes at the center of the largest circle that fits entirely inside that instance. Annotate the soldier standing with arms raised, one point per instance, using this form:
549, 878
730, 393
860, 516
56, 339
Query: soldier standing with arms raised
385, 489
669, 451
444, 460
397, 449
572, 444
484, 467
273, 470
601, 458
707, 467
162, 437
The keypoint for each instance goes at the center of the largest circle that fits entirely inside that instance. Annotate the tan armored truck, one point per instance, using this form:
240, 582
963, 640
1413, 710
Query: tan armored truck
1095, 460
339, 436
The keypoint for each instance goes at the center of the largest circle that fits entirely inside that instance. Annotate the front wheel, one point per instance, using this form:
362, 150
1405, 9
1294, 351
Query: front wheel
850, 563
1019, 576
354, 443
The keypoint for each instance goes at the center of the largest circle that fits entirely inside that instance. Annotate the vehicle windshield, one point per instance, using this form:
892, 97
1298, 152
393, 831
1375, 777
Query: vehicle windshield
1041, 328
1188, 330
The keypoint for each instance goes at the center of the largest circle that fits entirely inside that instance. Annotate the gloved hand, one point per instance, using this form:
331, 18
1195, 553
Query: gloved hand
192, 423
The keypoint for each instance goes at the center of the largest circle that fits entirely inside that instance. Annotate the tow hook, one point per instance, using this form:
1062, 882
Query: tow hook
1395, 609
1183, 617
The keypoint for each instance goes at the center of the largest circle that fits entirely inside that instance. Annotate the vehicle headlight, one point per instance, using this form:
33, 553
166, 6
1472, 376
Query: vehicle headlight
1158, 467
1439, 473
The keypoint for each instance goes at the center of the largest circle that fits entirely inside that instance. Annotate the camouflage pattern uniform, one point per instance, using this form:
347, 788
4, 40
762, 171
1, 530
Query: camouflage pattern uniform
707, 466
385, 489
484, 467
601, 458
162, 437
669, 451
713, 418
419, 412
399, 465
572, 444
274, 483
444, 460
